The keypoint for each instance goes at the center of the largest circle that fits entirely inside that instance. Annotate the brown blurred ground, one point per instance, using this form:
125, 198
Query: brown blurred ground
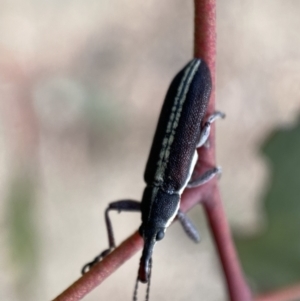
81, 86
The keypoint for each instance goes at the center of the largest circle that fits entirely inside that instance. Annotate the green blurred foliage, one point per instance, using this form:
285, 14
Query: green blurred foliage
101, 112
272, 258
105, 123
22, 232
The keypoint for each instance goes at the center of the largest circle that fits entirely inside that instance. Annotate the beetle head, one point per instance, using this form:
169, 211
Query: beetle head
158, 211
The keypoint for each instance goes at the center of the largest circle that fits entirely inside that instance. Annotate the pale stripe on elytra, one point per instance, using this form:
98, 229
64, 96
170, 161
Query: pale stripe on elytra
174, 119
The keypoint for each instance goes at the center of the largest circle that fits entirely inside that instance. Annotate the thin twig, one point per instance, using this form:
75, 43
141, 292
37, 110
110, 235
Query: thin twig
102, 270
205, 47
236, 284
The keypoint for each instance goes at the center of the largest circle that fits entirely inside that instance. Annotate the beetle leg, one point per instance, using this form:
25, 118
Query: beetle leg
205, 130
122, 205
207, 176
203, 141
188, 226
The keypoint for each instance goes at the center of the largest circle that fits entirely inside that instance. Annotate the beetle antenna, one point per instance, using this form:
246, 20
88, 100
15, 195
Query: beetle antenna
136, 289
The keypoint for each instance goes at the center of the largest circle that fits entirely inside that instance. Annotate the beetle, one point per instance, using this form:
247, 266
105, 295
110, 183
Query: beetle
172, 159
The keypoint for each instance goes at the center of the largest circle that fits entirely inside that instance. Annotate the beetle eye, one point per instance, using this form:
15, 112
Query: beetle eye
160, 235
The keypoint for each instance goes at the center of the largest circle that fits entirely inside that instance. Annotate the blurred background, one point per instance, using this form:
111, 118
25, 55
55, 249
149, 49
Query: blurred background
81, 87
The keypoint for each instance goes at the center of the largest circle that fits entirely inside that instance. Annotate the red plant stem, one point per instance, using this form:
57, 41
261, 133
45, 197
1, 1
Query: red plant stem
236, 284
291, 293
205, 42
102, 270
205, 47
